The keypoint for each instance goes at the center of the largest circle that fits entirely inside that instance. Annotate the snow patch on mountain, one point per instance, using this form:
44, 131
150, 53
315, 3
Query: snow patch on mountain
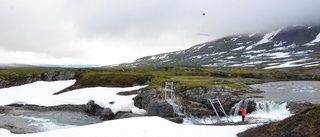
239, 48
317, 40
266, 38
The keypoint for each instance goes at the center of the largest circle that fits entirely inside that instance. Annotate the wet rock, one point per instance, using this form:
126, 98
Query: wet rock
223, 93
198, 112
177, 120
93, 109
251, 106
19, 128
121, 115
17, 80
57, 75
294, 107
143, 98
106, 114
154, 105
160, 108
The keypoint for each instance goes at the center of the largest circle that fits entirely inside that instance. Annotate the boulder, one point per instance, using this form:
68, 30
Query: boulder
143, 98
296, 106
177, 120
120, 115
106, 114
150, 100
93, 109
160, 108
198, 112
57, 75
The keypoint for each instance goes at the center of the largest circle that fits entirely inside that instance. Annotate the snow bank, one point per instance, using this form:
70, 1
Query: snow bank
41, 93
137, 127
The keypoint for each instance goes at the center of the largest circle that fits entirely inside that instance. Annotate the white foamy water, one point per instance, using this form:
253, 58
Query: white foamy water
175, 107
43, 124
266, 111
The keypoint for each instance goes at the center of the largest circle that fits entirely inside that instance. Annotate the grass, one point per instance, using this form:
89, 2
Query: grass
18, 76
183, 77
11, 72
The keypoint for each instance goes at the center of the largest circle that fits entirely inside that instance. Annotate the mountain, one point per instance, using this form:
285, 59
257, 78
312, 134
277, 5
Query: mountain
14, 65
286, 47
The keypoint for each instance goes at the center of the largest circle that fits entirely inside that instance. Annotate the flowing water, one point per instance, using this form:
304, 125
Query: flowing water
235, 109
28, 121
287, 91
266, 111
272, 107
176, 107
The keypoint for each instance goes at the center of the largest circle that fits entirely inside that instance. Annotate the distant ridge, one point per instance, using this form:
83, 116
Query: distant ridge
14, 65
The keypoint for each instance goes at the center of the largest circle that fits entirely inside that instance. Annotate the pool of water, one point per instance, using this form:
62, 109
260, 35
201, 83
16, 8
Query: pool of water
303, 91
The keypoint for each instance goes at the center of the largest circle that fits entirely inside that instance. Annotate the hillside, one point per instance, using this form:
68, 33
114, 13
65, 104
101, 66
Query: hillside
286, 47
303, 124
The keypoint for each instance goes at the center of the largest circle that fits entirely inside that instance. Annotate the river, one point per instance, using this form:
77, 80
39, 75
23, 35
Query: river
288, 91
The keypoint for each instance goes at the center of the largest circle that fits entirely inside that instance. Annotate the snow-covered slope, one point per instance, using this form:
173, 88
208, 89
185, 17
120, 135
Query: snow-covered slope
286, 47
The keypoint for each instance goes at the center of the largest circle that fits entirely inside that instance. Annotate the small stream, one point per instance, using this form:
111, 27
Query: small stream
28, 121
287, 91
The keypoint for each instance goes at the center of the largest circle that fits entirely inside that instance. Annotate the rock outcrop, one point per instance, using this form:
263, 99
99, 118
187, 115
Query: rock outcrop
17, 80
94, 109
151, 101
198, 103
193, 101
294, 107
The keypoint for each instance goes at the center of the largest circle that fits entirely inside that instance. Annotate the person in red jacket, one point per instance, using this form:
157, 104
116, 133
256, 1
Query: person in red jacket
243, 113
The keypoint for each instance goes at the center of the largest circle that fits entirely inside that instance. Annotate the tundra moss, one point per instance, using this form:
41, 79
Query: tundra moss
183, 77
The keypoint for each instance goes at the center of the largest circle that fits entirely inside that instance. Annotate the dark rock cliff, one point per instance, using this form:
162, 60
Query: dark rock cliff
16, 80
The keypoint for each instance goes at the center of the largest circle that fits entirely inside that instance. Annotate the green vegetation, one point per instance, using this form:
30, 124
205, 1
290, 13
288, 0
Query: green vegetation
23, 72
183, 77
18, 76
303, 124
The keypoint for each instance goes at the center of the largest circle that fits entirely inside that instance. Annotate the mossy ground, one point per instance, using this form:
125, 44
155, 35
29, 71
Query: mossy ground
183, 77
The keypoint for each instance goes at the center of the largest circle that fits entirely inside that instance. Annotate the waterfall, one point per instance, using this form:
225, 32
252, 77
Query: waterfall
235, 109
266, 111
175, 107
270, 106
270, 111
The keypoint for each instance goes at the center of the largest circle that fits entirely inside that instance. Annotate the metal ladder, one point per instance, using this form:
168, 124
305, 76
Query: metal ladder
169, 88
216, 100
171, 99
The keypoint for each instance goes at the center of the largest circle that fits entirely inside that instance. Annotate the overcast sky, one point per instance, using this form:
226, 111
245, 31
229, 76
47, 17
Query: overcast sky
115, 31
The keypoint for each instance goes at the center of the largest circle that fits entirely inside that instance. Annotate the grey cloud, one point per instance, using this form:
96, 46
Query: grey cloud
61, 28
